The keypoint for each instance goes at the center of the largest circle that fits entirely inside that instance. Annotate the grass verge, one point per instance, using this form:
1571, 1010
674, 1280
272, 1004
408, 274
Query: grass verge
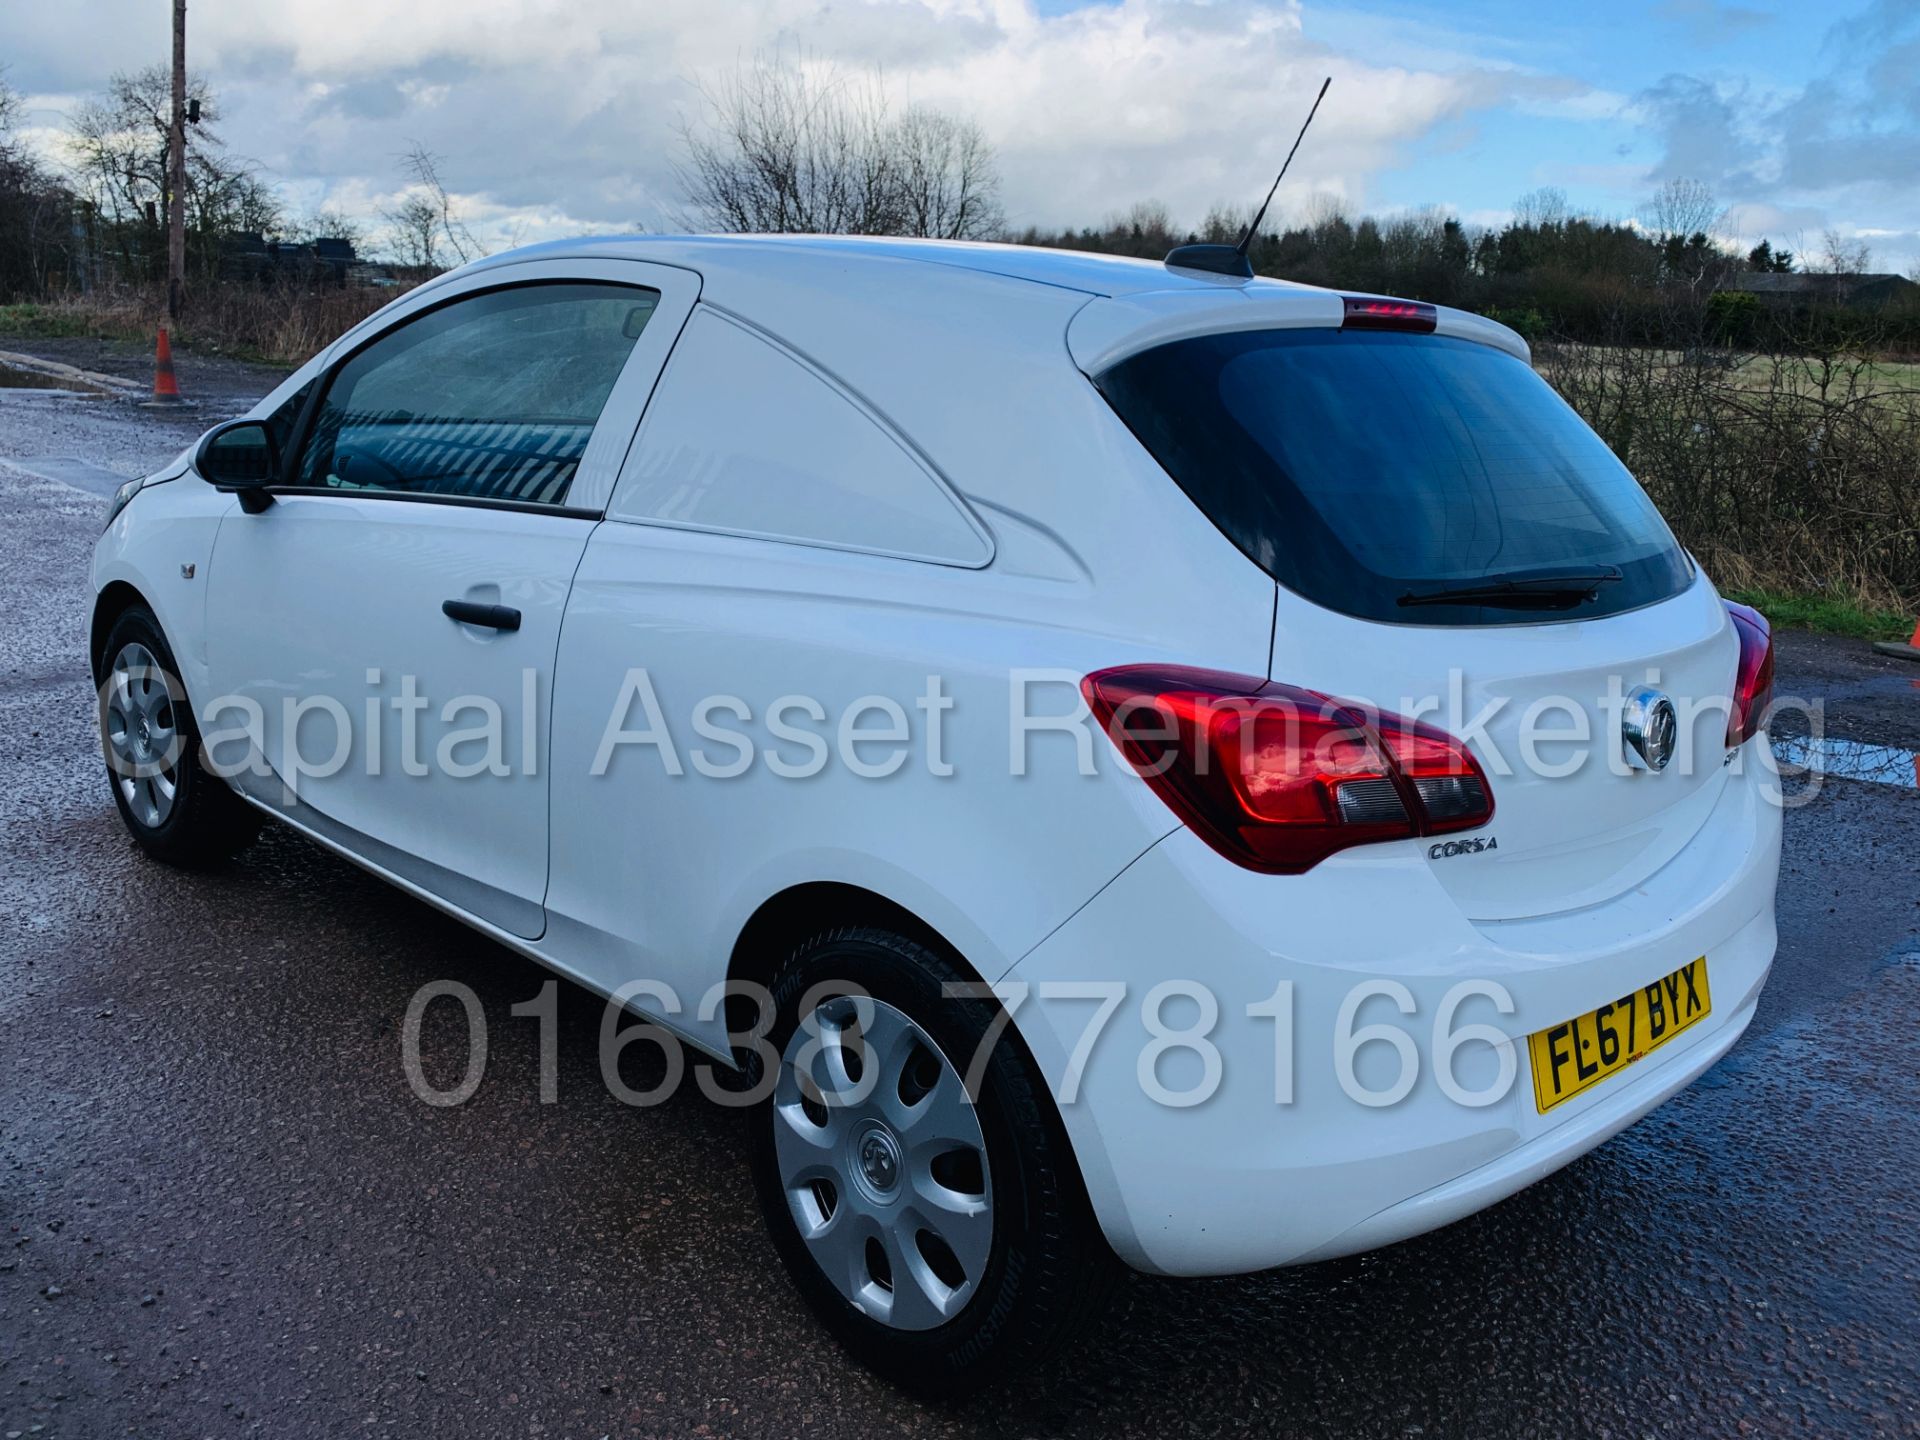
53, 322
1829, 614
275, 325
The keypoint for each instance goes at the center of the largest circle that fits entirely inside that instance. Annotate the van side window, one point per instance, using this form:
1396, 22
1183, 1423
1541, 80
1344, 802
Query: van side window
743, 437
492, 397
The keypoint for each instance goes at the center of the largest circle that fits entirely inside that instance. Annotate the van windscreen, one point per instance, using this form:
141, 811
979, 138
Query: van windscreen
1377, 473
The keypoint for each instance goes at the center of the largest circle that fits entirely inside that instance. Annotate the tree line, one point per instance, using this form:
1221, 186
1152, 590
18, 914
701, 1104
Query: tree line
1549, 270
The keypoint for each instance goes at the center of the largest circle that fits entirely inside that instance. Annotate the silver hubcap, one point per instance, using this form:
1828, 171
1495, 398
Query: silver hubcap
142, 734
883, 1163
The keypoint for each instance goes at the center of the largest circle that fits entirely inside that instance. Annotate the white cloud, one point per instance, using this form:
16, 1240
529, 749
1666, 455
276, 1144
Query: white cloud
559, 116
1840, 151
562, 115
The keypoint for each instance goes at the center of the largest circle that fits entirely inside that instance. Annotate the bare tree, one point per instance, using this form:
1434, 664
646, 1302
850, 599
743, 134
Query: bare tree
118, 143
1148, 224
948, 185
1545, 206
1840, 255
326, 224
786, 150
413, 232
1683, 217
784, 153
1226, 223
1327, 223
426, 218
1685, 208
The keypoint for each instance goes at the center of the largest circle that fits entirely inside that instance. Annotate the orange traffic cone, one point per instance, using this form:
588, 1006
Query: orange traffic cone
1910, 650
166, 390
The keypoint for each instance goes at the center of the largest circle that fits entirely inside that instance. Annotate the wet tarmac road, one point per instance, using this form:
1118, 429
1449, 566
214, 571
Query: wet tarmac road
222, 1212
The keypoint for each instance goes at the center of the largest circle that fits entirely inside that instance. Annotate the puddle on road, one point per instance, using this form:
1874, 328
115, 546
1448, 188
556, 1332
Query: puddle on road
1850, 759
13, 377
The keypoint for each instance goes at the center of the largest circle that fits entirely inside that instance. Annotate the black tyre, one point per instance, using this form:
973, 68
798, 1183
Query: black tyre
947, 1244
178, 811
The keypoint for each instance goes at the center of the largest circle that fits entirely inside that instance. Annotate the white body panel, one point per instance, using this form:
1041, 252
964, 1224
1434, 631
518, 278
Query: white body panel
1566, 840
992, 862
1240, 1182
337, 598
971, 362
811, 465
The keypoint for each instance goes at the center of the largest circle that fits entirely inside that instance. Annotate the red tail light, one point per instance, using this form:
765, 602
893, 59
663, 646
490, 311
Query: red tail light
1366, 313
1277, 778
1753, 682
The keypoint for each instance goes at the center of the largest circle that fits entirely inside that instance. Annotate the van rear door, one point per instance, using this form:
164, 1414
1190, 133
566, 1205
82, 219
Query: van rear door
1450, 539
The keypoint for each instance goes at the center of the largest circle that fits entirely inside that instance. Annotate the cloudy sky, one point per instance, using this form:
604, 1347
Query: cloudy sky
556, 117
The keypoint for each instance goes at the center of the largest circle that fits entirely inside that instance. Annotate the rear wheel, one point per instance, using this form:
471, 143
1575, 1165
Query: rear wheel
176, 809
943, 1240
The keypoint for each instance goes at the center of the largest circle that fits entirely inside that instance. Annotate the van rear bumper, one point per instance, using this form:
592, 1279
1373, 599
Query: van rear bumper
1535, 1160
1240, 1180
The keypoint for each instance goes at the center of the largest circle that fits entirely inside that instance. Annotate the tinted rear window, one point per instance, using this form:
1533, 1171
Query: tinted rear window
1357, 468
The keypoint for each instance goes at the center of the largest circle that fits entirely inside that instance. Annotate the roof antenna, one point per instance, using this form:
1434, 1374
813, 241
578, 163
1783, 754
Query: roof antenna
1232, 259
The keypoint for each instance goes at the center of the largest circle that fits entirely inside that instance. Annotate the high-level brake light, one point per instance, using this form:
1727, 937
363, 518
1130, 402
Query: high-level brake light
1277, 778
1367, 313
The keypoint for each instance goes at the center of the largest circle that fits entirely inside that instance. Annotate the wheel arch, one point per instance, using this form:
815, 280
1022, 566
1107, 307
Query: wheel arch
785, 919
114, 600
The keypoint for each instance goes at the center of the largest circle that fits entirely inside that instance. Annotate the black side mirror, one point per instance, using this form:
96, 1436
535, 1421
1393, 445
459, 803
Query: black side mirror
240, 456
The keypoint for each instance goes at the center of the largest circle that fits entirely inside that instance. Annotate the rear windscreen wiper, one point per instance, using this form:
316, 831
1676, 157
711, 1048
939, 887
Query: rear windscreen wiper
1523, 590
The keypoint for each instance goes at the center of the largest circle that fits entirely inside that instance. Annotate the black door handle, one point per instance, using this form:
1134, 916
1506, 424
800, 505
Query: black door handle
471, 612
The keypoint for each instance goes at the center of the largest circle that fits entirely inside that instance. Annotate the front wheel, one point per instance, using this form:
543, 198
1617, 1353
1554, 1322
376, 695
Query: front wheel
178, 810
943, 1239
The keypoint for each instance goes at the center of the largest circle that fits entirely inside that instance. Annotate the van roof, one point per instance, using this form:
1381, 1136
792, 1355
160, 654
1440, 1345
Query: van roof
1085, 271
1135, 302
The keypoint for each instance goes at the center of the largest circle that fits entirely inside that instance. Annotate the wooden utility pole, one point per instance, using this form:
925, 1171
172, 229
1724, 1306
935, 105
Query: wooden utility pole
177, 169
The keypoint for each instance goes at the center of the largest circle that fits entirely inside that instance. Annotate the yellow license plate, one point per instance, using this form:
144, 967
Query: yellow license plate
1578, 1054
